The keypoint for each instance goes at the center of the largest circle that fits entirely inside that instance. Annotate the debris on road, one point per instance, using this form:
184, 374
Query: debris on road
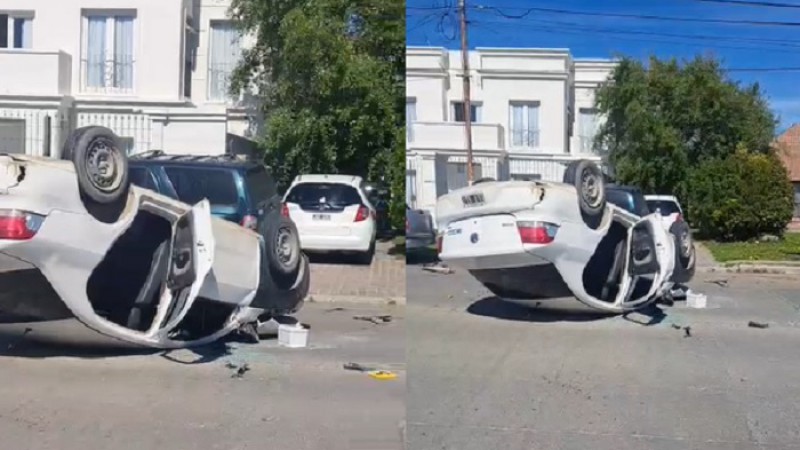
358, 367
687, 332
335, 309
721, 283
437, 268
239, 370
373, 372
382, 375
378, 320
293, 336
696, 300
760, 325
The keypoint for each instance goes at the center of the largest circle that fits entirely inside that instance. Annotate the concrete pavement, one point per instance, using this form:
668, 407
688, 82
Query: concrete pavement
489, 375
298, 399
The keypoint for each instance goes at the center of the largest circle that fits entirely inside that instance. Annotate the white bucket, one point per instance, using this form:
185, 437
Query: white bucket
695, 300
292, 336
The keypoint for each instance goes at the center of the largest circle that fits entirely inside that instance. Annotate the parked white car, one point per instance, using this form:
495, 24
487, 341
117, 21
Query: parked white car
333, 214
667, 206
559, 245
96, 260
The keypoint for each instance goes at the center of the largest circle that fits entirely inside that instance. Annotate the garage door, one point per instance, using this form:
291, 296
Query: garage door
12, 136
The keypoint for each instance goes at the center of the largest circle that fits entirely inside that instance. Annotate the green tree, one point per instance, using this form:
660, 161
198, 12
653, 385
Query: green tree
327, 76
665, 118
671, 126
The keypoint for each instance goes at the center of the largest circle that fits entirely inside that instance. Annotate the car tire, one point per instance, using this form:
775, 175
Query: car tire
483, 180
588, 180
282, 252
366, 257
100, 164
683, 241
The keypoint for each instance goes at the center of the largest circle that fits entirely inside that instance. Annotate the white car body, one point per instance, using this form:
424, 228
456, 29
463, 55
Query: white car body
676, 211
326, 228
67, 274
482, 233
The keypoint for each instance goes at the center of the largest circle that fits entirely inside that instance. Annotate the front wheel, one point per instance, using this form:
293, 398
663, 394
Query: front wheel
589, 184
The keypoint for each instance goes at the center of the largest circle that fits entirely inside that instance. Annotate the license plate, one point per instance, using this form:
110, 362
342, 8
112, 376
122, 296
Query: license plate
321, 217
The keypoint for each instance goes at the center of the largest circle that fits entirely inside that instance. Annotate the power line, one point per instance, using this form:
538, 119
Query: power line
529, 11
754, 3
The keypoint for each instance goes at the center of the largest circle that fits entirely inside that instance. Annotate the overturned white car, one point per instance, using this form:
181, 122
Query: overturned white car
89, 258
561, 245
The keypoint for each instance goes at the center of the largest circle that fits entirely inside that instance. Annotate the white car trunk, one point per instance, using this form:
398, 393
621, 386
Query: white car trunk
487, 199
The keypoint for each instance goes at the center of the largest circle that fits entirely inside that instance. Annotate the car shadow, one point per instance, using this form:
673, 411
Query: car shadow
421, 256
343, 259
499, 309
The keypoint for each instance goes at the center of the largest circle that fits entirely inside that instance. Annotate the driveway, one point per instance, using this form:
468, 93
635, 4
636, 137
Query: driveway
289, 398
489, 375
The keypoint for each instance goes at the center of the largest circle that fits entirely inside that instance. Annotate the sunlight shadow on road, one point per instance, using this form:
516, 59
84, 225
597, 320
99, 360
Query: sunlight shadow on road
499, 309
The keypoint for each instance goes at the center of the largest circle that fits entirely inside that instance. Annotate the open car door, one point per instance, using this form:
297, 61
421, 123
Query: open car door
648, 263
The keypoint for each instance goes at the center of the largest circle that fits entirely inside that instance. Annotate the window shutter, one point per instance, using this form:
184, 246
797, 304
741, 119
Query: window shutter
3, 30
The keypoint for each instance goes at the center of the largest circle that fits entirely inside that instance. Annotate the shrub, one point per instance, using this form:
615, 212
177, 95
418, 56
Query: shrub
740, 196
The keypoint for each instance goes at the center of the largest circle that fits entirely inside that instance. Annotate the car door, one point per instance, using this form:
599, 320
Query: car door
648, 264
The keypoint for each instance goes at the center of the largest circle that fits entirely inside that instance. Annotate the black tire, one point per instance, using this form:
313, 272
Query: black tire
100, 164
483, 180
589, 183
683, 242
282, 253
366, 257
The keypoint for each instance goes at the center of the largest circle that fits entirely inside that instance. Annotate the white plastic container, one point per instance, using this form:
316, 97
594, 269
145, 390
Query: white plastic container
292, 336
695, 300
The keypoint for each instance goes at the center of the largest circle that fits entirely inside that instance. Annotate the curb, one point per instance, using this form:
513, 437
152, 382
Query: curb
383, 301
751, 268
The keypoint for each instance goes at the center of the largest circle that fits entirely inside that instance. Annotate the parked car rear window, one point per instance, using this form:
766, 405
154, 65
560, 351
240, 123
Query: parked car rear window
260, 185
333, 194
666, 207
142, 177
195, 184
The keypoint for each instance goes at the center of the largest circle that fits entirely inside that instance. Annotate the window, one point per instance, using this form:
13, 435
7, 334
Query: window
524, 124
189, 46
587, 129
411, 117
323, 196
457, 112
260, 186
224, 54
108, 52
16, 30
457, 175
142, 177
127, 144
195, 184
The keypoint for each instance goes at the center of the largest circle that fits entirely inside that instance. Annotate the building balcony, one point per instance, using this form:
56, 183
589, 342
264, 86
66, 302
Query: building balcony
450, 136
35, 72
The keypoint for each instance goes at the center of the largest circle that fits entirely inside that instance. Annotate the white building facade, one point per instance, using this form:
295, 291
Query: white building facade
154, 71
532, 112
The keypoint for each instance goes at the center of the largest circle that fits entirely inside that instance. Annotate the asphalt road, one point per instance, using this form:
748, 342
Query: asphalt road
488, 375
289, 399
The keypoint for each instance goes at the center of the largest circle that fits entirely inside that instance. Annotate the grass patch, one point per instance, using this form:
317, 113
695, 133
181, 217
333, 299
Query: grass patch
787, 249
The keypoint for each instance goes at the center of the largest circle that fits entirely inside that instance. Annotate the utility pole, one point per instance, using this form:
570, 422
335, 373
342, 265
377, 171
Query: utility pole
462, 12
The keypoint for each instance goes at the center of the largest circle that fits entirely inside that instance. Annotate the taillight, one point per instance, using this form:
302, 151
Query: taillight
250, 222
19, 225
362, 214
537, 232
284, 210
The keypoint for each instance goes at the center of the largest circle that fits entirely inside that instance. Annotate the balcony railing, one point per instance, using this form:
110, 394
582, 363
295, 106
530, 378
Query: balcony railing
103, 75
35, 72
451, 136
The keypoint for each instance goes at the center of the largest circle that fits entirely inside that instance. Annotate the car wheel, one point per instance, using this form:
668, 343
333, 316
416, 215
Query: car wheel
587, 178
683, 242
100, 164
483, 180
366, 257
282, 249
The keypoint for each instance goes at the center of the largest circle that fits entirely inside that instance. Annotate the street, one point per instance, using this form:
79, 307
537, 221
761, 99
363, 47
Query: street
490, 375
55, 398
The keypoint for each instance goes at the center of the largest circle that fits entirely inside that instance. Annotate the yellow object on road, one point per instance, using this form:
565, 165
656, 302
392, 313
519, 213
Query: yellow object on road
382, 375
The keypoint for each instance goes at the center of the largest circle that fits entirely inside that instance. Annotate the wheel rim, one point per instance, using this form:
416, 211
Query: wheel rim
686, 244
591, 188
284, 247
103, 164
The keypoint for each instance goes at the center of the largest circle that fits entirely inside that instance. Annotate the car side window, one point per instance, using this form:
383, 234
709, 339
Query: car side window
195, 184
142, 177
260, 185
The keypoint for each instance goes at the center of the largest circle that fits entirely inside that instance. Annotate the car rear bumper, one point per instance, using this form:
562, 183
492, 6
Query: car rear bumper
351, 243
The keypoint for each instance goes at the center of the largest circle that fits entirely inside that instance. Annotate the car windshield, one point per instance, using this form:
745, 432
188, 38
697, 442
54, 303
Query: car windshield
323, 196
665, 206
194, 184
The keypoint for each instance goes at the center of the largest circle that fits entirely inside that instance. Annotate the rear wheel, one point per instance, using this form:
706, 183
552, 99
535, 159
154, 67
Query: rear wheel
587, 178
366, 257
282, 253
100, 164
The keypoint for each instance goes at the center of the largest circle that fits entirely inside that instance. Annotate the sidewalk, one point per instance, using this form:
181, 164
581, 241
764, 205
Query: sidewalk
705, 262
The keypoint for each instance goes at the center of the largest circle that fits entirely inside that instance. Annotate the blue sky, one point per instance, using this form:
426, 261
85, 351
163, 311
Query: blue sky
739, 46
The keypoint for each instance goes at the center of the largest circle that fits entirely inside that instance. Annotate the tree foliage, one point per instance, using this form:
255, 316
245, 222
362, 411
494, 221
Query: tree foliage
668, 123
328, 78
